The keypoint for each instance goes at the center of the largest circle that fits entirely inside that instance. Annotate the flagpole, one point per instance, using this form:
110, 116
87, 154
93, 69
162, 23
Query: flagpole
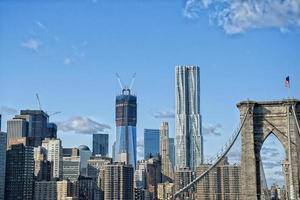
287, 85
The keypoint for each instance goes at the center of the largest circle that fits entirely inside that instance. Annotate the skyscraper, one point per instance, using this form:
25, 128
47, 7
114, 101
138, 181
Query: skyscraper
19, 173
54, 154
2, 163
189, 144
172, 151
39, 122
222, 182
31, 124
100, 144
45, 190
151, 142
118, 182
42, 167
71, 168
17, 127
166, 165
126, 116
84, 154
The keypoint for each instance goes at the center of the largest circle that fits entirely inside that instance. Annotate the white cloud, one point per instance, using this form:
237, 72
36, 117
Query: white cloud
164, 114
237, 16
82, 125
8, 110
212, 129
32, 44
41, 25
68, 61
140, 148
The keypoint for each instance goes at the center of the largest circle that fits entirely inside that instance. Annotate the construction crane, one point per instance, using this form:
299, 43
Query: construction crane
38, 101
40, 107
119, 80
55, 113
122, 85
132, 81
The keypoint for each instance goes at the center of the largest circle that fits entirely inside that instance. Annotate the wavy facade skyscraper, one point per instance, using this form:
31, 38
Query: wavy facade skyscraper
189, 142
126, 113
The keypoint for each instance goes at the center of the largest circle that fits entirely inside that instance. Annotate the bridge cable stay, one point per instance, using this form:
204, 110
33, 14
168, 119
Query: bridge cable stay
264, 186
219, 158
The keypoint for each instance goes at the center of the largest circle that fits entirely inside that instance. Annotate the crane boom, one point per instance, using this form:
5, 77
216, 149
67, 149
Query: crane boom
38, 101
132, 81
120, 82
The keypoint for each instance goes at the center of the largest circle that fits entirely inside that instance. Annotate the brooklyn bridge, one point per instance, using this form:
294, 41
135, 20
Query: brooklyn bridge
257, 121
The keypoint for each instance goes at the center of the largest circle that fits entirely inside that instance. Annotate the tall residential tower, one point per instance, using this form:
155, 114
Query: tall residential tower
167, 167
189, 143
126, 110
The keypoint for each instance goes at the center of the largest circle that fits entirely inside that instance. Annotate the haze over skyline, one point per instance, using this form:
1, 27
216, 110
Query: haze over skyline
69, 53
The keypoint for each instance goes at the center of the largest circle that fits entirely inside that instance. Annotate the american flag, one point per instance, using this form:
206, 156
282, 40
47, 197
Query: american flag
287, 82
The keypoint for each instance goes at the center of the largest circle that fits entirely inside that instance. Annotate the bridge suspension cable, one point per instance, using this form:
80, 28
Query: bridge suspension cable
216, 159
264, 186
296, 119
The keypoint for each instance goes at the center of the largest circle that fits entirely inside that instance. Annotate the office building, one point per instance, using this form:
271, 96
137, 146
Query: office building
165, 190
45, 190
2, 162
140, 175
151, 143
86, 187
118, 182
184, 176
39, 123
51, 130
189, 142
69, 152
26, 141
222, 182
84, 154
153, 175
67, 190
17, 127
71, 168
172, 151
19, 173
166, 165
54, 154
42, 167
126, 117
96, 166
100, 144
33, 124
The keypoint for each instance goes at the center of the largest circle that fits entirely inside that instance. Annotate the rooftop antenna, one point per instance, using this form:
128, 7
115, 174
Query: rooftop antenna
38, 101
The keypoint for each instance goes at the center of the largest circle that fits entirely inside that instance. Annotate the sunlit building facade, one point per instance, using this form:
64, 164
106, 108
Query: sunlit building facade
189, 143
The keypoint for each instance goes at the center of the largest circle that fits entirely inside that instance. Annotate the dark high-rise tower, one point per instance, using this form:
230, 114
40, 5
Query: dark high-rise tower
126, 112
100, 144
19, 173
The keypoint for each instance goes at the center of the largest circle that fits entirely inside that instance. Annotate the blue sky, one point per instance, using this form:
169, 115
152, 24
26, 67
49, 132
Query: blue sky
69, 52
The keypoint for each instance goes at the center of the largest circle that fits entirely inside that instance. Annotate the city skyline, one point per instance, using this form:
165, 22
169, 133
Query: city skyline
73, 69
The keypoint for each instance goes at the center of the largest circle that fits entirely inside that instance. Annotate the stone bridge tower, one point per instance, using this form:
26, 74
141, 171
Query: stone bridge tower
263, 119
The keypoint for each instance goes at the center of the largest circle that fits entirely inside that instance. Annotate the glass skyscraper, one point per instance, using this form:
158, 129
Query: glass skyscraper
100, 144
151, 142
189, 143
126, 113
